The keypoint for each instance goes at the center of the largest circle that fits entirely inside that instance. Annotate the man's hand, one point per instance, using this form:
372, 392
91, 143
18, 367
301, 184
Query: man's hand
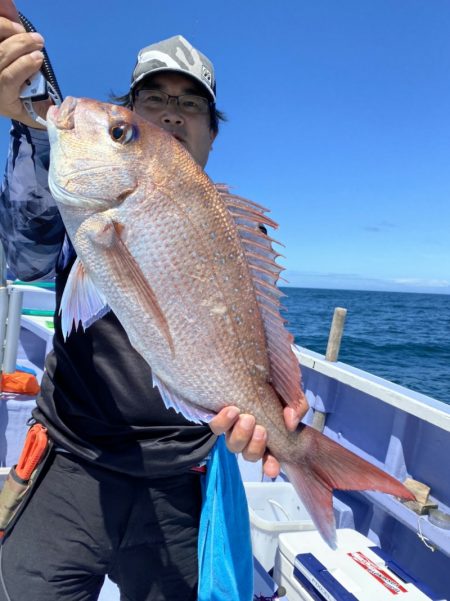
20, 57
244, 436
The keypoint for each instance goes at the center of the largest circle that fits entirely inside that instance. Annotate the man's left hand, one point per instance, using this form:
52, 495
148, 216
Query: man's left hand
244, 436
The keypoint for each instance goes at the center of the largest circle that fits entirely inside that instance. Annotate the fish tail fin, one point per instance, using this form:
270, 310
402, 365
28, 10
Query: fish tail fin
325, 466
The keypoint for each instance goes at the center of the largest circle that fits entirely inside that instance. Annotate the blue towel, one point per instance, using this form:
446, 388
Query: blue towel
27, 370
224, 544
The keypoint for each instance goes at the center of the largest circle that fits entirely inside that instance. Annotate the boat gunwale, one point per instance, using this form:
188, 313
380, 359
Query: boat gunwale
415, 403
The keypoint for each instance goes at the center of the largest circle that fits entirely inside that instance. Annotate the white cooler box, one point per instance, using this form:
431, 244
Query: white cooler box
357, 571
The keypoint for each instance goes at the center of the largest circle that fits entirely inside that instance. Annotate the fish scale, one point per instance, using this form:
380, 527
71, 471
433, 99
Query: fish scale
185, 268
196, 289
190, 347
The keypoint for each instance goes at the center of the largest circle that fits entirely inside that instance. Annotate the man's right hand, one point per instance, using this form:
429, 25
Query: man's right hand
20, 57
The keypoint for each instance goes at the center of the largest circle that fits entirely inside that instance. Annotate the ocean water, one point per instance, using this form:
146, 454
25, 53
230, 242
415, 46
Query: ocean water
403, 337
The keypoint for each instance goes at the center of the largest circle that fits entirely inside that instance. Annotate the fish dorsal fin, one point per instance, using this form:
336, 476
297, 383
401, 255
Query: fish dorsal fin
81, 302
249, 217
172, 400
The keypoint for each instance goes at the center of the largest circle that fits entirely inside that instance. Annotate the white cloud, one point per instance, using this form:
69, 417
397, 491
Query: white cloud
352, 281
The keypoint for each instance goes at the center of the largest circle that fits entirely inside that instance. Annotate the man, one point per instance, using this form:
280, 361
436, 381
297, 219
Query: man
119, 494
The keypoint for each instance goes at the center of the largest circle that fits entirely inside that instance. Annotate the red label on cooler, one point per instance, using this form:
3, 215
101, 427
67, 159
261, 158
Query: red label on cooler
383, 577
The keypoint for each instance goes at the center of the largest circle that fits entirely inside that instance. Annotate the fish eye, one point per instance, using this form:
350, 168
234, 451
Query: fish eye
122, 133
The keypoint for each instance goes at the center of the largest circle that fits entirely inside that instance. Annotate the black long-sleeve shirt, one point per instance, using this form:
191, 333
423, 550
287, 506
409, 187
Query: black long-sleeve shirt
97, 398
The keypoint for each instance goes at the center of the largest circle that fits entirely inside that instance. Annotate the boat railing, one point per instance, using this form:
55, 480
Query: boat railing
24, 306
415, 403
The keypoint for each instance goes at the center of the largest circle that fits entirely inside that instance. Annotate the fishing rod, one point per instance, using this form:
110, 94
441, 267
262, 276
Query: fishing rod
42, 85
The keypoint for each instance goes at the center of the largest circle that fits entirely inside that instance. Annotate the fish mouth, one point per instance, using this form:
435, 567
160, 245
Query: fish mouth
63, 116
52, 113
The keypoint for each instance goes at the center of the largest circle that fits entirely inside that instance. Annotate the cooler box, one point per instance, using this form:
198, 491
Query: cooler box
356, 571
274, 508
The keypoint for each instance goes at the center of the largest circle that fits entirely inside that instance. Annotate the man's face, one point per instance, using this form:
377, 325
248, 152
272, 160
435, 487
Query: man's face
192, 130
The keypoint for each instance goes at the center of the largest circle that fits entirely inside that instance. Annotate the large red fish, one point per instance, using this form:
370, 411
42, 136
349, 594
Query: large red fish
191, 277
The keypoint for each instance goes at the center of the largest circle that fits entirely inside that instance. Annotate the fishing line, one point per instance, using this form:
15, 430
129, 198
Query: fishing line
422, 537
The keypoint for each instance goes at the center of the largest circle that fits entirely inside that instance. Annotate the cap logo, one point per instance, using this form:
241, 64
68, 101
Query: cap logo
206, 74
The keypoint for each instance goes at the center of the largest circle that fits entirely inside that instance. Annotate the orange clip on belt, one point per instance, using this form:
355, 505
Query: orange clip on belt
33, 451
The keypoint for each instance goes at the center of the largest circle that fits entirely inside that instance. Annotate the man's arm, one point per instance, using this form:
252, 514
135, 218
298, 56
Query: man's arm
31, 229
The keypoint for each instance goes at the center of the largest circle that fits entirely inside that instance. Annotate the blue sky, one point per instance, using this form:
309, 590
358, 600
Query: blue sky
338, 112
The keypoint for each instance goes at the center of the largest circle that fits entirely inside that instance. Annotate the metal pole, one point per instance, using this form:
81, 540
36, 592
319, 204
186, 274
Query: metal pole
3, 316
3, 306
12, 330
332, 354
2, 266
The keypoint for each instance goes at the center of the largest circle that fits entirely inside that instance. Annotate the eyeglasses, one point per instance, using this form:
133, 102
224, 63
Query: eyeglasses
188, 103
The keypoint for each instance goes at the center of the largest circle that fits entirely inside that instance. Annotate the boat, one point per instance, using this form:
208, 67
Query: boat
401, 431
405, 433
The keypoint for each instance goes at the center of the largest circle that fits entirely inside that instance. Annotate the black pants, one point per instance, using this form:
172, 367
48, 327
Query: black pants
83, 522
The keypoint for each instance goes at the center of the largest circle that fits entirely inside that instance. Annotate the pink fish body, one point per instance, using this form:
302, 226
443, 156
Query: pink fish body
192, 278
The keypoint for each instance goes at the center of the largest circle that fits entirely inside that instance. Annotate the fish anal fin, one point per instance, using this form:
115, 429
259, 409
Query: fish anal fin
284, 368
81, 301
326, 466
109, 236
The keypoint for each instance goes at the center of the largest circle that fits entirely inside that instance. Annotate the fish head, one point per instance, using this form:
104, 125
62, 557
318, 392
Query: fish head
100, 154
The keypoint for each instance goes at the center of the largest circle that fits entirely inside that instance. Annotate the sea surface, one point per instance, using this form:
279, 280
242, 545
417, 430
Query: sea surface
403, 337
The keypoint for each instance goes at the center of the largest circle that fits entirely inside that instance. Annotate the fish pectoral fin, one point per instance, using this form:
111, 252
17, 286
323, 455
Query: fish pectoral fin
81, 302
109, 237
172, 400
